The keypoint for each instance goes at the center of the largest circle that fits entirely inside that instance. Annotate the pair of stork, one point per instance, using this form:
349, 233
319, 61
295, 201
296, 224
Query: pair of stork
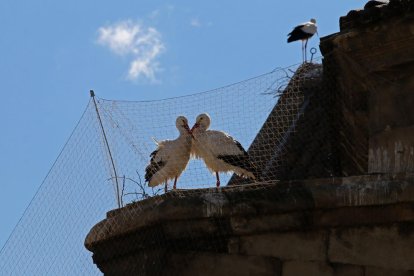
220, 152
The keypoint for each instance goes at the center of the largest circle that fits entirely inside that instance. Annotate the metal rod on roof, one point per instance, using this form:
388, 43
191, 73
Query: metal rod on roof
118, 198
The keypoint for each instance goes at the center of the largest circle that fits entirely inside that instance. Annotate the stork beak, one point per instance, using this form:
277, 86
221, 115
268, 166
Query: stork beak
196, 125
189, 130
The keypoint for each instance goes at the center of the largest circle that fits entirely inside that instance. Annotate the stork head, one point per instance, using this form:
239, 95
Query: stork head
202, 122
182, 125
313, 20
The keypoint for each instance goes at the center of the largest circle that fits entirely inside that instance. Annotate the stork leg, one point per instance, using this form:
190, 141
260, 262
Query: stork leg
218, 180
175, 183
166, 187
303, 54
306, 47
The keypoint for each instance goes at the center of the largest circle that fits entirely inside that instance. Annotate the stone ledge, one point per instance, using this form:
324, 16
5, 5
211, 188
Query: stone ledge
275, 220
248, 200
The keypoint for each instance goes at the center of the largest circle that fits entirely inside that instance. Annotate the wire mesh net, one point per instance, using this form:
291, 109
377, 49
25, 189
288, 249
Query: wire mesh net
109, 160
48, 238
134, 130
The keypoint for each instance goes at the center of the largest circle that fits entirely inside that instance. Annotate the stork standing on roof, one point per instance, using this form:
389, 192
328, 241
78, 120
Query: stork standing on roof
171, 157
220, 151
303, 32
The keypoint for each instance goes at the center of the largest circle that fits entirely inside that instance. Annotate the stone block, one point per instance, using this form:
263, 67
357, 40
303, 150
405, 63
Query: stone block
363, 190
233, 246
266, 223
376, 271
191, 229
305, 246
298, 268
392, 150
206, 264
347, 270
389, 247
364, 215
144, 263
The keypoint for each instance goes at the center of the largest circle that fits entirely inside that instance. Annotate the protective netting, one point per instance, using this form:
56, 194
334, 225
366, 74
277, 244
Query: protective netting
48, 240
240, 109
280, 118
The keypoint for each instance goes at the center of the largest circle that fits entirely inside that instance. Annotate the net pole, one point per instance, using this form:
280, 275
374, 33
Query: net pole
118, 198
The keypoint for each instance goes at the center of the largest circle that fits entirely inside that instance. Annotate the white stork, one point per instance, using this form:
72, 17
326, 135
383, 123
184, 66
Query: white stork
220, 151
171, 157
303, 32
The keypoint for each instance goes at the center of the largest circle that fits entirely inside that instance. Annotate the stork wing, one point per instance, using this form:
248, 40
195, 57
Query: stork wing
296, 29
159, 158
220, 143
229, 150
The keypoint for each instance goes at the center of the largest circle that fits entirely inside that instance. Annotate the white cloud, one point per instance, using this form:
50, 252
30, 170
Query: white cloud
132, 39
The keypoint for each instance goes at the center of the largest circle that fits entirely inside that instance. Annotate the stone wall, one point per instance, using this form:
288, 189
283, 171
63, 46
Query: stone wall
372, 59
352, 114
361, 225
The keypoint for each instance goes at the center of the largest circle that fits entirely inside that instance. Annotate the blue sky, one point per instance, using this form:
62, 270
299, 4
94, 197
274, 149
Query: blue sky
54, 52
